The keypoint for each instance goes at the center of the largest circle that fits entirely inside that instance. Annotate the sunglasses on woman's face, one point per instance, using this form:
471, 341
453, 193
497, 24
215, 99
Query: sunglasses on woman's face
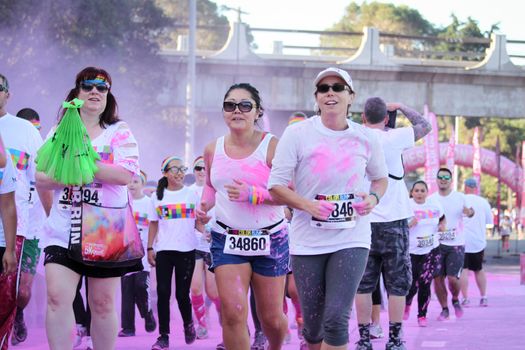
323, 88
199, 168
244, 106
87, 87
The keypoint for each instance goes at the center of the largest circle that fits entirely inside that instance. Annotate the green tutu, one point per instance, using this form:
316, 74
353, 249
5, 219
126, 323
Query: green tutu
68, 157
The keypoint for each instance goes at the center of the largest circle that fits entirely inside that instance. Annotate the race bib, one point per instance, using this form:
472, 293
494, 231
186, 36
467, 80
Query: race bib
448, 235
247, 242
425, 242
343, 215
91, 194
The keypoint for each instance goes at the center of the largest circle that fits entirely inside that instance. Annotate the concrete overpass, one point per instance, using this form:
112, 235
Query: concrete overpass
494, 87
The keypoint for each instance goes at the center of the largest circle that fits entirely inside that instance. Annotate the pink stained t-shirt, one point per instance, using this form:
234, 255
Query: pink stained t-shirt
255, 172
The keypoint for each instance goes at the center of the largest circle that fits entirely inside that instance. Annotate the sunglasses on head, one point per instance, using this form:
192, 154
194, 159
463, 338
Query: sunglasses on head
323, 88
244, 106
3, 88
87, 87
199, 168
177, 169
444, 177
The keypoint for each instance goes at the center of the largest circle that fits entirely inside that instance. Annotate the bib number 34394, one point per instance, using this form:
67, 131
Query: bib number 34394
247, 242
343, 216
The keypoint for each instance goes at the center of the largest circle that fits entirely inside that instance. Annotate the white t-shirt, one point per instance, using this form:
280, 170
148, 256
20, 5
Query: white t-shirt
202, 244
37, 214
321, 161
394, 204
475, 227
143, 211
22, 140
423, 236
453, 205
176, 216
7, 185
116, 145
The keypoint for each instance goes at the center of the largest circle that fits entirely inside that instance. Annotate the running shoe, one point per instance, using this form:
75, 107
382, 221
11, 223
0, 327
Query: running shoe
303, 345
162, 343
458, 310
406, 314
19, 329
465, 302
189, 333
89, 343
149, 322
395, 345
202, 332
376, 331
220, 346
422, 321
259, 341
444, 315
483, 302
81, 333
126, 333
363, 345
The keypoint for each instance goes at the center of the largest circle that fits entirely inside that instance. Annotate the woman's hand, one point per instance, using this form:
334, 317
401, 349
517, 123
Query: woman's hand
202, 214
365, 206
238, 191
151, 257
412, 222
320, 209
9, 262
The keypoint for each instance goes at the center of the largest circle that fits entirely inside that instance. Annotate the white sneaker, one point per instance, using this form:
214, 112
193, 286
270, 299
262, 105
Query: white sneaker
376, 331
89, 343
81, 333
465, 302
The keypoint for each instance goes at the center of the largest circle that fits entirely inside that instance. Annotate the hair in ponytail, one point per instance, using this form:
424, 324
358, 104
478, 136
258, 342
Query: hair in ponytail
163, 183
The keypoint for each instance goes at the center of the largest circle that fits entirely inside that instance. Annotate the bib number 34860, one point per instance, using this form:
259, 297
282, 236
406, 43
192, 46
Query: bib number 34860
247, 243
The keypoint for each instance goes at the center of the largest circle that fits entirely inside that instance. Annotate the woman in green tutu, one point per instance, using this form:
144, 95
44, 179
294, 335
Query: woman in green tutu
113, 168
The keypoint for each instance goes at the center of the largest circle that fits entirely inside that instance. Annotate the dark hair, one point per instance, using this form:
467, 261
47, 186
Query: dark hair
253, 92
375, 110
28, 114
5, 82
161, 186
110, 114
445, 170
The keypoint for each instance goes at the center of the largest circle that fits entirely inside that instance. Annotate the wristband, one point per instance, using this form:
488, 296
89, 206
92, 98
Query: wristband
149, 248
375, 195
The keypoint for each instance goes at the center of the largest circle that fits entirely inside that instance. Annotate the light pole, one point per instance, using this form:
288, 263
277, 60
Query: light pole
189, 145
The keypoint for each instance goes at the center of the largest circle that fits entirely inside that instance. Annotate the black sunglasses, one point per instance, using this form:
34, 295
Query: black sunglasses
323, 88
244, 106
199, 168
87, 87
3, 88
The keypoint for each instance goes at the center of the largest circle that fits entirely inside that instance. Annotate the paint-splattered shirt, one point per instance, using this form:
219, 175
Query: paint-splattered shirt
322, 161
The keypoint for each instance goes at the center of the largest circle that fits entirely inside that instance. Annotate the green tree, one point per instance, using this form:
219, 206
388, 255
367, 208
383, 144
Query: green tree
215, 27
387, 18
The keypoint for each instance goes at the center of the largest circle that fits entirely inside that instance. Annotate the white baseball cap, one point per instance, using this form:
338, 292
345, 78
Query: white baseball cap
333, 71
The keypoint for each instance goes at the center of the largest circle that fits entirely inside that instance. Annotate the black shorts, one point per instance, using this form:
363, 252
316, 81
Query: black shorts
59, 255
451, 260
474, 261
206, 256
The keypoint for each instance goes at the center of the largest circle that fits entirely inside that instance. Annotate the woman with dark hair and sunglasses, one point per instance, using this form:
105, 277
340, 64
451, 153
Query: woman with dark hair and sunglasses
249, 235
118, 150
327, 157
424, 248
171, 246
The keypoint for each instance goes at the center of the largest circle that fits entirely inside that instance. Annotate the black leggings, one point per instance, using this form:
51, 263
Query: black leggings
421, 279
82, 314
183, 263
327, 284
